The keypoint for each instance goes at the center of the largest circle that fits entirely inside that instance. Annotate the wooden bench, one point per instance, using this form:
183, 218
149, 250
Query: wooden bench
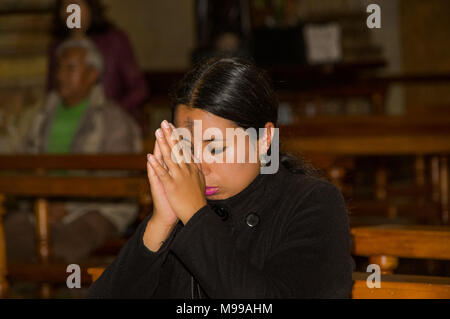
27, 175
426, 139
41, 186
31, 180
401, 287
95, 272
386, 244
392, 286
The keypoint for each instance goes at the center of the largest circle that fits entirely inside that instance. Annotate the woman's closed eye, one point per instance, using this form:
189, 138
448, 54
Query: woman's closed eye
216, 150
213, 150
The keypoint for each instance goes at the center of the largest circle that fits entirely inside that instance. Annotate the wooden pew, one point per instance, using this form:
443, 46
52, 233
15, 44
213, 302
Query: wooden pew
401, 287
27, 175
365, 126
42, 187
385, 244
42, 163
333, 144
95, 272
39, 164
427, 139
392, 286
48, 187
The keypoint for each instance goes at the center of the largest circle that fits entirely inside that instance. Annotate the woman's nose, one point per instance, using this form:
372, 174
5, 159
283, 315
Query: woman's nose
205, 168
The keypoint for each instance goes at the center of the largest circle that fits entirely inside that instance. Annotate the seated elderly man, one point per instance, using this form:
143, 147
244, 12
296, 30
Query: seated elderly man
77, 118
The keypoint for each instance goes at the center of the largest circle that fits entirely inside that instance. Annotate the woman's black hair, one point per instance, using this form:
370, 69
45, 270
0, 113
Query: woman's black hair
99, 23
237, 90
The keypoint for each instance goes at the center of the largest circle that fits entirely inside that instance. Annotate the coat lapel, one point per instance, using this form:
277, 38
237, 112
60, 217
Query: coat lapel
88, 137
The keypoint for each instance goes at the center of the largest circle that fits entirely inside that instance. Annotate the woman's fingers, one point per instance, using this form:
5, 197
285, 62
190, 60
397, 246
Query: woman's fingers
174, 153
166, 151
157, 153
150, 172
159, 171
181, 146
176, 146
187, 153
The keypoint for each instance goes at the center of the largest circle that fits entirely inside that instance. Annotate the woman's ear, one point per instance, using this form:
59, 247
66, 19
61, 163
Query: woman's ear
266, 139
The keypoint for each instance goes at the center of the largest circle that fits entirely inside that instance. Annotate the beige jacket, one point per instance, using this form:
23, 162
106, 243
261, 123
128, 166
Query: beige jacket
104, 128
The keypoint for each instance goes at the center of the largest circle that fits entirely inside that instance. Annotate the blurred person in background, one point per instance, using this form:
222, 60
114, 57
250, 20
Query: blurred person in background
227, 44
77, 119
122, 80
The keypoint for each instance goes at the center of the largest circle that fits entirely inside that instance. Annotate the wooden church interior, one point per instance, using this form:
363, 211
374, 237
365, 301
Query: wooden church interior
374, 119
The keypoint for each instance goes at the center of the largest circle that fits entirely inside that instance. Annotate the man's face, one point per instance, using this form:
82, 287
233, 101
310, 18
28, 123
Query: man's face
74, 78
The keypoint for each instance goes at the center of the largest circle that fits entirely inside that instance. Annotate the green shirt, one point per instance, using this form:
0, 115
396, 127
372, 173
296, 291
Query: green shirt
65, 124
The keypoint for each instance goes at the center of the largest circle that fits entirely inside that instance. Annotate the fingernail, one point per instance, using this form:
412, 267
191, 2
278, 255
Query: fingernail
165, 124
159, 133
171, 125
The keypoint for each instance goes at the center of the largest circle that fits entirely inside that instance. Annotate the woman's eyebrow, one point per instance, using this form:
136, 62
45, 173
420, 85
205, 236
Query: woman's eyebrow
207, 140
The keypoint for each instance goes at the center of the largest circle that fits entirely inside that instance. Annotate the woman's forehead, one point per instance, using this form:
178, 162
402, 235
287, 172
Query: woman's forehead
189, 117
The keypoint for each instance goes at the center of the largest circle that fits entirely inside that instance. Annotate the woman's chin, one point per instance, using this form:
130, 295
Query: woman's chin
216, 196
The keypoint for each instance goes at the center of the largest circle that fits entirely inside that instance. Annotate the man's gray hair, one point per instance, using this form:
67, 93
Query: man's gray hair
93, 55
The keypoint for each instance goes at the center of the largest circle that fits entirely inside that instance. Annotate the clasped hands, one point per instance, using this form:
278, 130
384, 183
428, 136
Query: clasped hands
177, 187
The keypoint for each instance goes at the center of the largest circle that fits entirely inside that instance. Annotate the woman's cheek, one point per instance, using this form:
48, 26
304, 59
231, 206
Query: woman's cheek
228, 155
235, 155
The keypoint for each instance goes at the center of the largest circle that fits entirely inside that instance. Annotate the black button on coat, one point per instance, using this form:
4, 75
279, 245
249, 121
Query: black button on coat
298, 247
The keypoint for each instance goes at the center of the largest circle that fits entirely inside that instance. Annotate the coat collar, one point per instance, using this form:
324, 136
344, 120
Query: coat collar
96, 99
254, 199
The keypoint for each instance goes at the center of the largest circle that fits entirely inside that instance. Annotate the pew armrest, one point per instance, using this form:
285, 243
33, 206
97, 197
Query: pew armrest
401, 287
95, 272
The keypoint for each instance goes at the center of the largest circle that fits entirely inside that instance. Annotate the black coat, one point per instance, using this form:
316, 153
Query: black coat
284, 236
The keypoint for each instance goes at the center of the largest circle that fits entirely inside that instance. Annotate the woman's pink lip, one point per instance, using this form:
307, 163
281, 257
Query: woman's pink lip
210, 190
